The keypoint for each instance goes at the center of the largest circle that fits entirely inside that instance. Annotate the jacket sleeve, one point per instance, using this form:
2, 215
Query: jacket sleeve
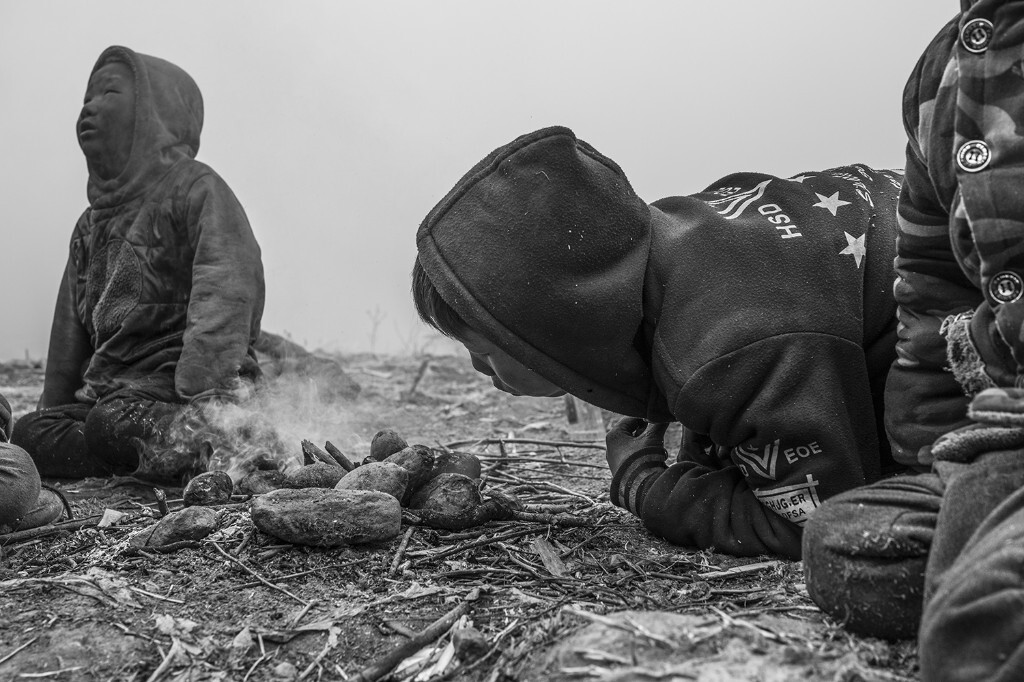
923, 397
226, 301
788, 422
70, 347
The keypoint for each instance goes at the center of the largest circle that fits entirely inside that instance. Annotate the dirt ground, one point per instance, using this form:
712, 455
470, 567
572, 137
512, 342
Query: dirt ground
578, 592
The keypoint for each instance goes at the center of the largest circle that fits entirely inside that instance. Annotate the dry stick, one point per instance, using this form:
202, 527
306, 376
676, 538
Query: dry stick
43, 531
254, 573
332, 641
385, 665
154, 595
419, 377
13, 653
168, 660
479, 543
401, 551
553, 519
299, 616
544, 460
527, 441
340, 456
737, 571
549, 486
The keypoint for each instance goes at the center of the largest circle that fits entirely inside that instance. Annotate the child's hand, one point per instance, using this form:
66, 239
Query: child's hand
629, 436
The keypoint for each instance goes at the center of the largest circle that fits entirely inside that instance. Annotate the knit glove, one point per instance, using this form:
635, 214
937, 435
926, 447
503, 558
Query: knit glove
998, 414
633, 435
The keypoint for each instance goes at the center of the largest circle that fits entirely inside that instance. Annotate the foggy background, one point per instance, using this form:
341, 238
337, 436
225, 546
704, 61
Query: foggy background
340, 124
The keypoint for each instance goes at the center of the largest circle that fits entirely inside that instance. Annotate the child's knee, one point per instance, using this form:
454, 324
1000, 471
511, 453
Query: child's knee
865, 553
27, 429
19, 483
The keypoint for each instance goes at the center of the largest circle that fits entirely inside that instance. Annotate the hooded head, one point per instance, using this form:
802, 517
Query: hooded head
141, 116
542, 249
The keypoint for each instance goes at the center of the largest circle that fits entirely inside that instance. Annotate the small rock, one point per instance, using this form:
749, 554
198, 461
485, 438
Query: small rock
418, 460
259, 482
319, 475
470, 644
385, 443
456, 463
385, 477
448, 494
285, 671
327, 518
191, 523
211, 487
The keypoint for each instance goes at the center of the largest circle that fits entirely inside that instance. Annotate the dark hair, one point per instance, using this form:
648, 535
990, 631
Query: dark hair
433, 309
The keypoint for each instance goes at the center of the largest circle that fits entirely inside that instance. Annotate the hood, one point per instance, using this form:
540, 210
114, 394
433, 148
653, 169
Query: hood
542, 248
168, 121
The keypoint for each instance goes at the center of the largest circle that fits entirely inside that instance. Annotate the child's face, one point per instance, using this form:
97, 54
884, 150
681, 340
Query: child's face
106, 124
507, 374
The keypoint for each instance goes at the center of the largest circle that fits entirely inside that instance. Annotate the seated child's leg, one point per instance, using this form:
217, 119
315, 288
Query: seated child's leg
19, 484
973, 627
55, 439
117, 427
972, 491
865, 553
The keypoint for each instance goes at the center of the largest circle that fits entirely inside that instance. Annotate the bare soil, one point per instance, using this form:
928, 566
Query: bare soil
78, 603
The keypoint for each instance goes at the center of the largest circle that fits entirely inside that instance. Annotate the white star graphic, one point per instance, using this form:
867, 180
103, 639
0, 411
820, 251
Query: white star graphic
832, 203
854, 247
801, 178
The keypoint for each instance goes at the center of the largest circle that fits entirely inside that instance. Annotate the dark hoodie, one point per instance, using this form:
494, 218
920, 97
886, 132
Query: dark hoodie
163, 289
758, 313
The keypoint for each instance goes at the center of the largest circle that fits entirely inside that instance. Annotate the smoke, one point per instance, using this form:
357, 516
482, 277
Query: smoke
261, 428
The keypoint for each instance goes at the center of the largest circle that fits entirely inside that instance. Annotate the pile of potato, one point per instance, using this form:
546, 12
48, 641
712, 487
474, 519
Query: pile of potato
332, 502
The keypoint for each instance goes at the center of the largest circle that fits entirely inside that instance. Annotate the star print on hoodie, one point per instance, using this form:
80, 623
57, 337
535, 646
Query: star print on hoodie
731, 311
163, 287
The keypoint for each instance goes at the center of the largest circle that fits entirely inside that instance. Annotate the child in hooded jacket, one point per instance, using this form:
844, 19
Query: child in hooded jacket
162, 295
950, 541
758, 313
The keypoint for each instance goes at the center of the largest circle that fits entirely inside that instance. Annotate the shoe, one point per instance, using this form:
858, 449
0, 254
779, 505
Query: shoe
49, 508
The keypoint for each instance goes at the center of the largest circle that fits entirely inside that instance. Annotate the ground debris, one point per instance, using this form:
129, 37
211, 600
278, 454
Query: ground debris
241, 605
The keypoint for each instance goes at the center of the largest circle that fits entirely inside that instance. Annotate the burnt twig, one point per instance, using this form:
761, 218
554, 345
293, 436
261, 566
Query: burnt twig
161, 501
340, 456
312, 453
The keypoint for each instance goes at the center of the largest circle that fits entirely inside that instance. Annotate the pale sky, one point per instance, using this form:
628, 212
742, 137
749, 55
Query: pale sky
340, 124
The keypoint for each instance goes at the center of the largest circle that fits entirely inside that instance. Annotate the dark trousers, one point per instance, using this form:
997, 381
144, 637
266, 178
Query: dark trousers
973, 627
873, 556
82, 440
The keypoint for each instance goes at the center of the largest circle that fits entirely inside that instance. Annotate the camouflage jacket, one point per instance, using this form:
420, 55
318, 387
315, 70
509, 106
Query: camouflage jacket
960, 249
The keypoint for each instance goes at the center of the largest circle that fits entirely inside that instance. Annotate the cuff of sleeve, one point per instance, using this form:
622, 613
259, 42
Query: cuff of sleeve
998, 407
635, 477
967, 443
